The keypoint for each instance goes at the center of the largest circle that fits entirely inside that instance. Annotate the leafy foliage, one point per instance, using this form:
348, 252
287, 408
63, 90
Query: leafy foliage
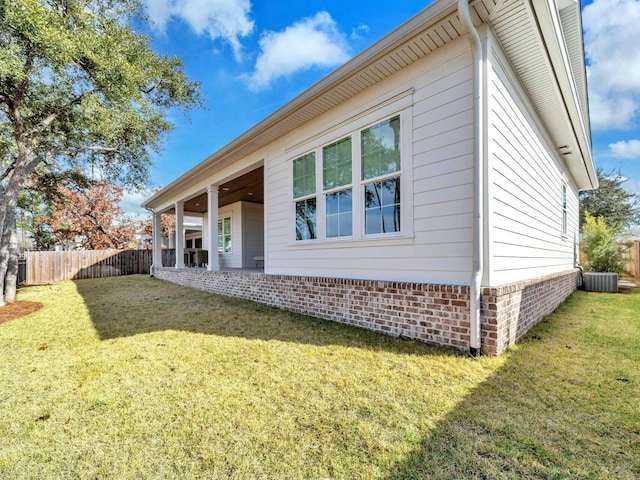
78, 86
602, 250
611, 201
32, 207
90, 217
167, 226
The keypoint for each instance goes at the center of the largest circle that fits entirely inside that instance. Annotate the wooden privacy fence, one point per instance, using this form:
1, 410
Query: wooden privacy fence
631, 257
49, 267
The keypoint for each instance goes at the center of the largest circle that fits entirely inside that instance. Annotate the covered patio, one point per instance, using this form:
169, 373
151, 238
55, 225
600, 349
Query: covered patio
232, 225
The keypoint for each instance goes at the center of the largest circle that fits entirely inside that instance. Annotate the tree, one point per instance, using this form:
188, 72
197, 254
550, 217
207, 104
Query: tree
78, 86
32, 206
619, 208
35, 202
90, 217
167, 226
601, 247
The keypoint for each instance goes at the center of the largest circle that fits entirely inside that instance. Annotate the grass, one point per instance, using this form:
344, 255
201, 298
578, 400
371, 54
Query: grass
135, 378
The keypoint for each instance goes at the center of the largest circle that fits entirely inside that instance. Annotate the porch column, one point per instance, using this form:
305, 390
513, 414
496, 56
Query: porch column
157, 239
180, 234
212, 227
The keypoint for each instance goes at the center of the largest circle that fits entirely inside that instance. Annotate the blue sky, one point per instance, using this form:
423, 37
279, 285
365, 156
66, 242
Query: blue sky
252, 57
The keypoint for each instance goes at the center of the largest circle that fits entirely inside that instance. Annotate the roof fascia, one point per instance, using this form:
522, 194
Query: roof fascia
550, 27
430, 16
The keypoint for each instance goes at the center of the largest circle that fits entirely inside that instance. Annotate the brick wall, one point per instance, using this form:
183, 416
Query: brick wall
509, 311
437, 314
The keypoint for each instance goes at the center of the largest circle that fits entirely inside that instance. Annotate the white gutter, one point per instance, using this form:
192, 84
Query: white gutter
475, 288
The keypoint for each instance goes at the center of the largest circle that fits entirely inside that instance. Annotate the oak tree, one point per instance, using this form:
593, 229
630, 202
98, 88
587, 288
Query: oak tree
79, 85
90, 219
611, 201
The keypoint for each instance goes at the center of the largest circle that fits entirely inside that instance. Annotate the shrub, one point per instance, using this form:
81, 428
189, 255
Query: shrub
602, 251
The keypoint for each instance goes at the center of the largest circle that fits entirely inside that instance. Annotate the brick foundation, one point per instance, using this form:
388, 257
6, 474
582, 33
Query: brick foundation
509, 311
437, 314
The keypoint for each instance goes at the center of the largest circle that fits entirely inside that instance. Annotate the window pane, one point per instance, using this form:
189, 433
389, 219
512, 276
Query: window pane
224, 235
339, 216
346, 224
336, 164
333, 204
381, 149
372, 223
382, 206
333, 227
304, 175
306, 219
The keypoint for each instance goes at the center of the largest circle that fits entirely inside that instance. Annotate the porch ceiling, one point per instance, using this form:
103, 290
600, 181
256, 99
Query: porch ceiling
246, 188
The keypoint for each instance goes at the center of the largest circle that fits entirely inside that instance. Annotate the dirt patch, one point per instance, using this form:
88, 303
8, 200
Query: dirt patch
17, 310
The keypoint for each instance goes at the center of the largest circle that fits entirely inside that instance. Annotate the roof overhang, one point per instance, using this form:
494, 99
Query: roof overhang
431, 29
560, 26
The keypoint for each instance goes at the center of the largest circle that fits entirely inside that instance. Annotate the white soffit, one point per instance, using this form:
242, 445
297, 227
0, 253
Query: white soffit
434, 27
565, 113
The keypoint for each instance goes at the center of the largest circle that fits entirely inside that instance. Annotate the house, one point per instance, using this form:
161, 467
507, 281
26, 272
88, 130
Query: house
427, 189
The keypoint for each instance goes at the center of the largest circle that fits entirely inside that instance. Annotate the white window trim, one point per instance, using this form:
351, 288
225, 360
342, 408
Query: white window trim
348, 186
564, 209
221, 219
295, 200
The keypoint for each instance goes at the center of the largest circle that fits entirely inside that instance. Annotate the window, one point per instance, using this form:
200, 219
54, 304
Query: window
189, 243
224, 235
382, 206
352, 187
304, 190
197, 243
564, 209
336, 182
380, 166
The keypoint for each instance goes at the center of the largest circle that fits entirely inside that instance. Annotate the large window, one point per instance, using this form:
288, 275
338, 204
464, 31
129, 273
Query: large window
355, 189
304, 194
224, 235
336, 182
380, 166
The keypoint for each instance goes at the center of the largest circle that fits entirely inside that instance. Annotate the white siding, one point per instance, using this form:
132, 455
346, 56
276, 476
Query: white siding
436, 246
525, 177
252, 233
232, 259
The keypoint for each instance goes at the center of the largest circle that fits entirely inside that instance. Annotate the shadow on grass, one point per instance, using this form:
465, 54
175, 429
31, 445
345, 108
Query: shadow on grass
561, 407
133, 305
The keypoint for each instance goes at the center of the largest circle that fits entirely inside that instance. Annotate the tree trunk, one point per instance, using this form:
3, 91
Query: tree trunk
11, 278
8, 255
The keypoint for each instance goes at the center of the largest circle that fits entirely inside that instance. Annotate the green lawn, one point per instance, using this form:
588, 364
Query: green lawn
131, 377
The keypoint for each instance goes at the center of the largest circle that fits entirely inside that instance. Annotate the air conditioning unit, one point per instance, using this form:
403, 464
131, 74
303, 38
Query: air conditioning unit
600, 282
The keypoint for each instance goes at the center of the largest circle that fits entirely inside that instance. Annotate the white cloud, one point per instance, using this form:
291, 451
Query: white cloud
311, 42
227, 20
611, 36
355, 33
628, 150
